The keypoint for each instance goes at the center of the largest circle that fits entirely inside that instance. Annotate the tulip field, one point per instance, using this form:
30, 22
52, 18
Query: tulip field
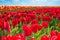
29, 23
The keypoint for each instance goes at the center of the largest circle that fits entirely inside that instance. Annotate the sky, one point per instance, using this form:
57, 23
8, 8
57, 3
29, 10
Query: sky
29, 2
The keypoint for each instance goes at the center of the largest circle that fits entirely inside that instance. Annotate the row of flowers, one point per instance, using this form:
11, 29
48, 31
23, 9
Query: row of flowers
53, 36
35, 24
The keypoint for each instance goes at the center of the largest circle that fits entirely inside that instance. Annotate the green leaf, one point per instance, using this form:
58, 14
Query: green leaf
20, 28
14, 31
48, 30
1, 33
5, 32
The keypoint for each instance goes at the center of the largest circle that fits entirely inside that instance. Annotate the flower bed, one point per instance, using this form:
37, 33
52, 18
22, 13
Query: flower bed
29, 23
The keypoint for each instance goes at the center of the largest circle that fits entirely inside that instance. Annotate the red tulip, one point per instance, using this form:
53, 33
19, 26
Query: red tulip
37, 11
19, 20
9, 38
53, 13
36, 27
7, 26
58, 36
14, 22
4, 38
47, 18
53, 32
33, 16
17, 15
40, 27
26, 19
58, 16
6, 12
19, 37
44, 37
1, 16
27, 30
39, 18
34, 21
12, 13
1, 24
45, 24
23, 14
53, 37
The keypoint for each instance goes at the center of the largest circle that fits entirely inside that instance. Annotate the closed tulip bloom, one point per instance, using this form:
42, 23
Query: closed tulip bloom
45, 24
14, 22
53, 32
44, 37
7, 26
4, 38
27, 30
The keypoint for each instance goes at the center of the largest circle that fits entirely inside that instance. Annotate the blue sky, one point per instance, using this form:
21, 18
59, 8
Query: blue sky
30, 2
